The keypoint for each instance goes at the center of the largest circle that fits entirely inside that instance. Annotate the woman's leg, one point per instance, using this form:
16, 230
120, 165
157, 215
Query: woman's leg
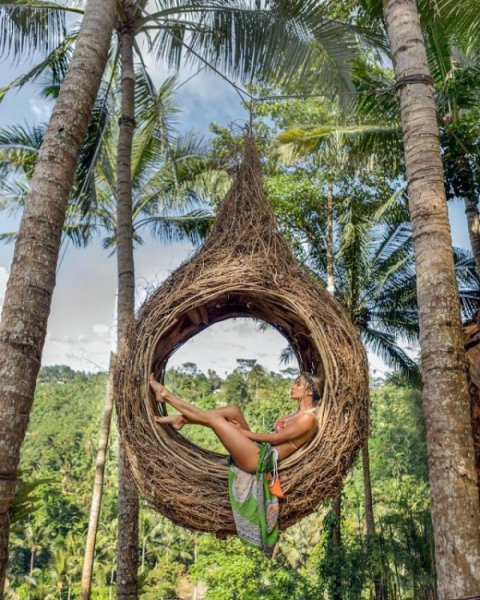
243, 451
231, 413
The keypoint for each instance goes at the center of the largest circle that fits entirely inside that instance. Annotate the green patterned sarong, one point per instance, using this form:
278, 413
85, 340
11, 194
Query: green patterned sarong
255, 508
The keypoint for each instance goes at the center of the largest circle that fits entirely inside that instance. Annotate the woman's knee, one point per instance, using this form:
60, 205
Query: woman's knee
236, 411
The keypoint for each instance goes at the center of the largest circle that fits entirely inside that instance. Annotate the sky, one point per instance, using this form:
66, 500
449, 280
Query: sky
81, 329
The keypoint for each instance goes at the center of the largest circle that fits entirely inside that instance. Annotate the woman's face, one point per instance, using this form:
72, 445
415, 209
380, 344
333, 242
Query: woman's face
299, 389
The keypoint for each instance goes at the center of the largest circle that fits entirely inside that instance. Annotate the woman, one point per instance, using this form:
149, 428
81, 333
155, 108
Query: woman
233, 431
253, 484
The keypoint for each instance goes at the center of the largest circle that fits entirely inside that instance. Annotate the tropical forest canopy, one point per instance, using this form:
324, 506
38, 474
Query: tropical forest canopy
60, 449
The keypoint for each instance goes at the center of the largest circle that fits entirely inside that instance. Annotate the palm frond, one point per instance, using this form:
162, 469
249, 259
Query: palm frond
13, 193
384, 345
396, 206
84, 191
278, 40
376, 141
19, 146
468, 281
8, 237
394, 248
25, 500
462, 18
56, 62
287, 355
193, 226
157, 114
29, 26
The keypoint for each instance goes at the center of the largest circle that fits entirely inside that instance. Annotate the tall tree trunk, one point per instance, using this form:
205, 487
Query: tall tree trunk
455, 507
32, 279
367, 489
473, 221
88, 560
330, 276
337, 499
380, 590
336, 545
127, 557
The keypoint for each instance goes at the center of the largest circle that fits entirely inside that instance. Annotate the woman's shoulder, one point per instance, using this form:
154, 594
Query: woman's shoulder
307, 416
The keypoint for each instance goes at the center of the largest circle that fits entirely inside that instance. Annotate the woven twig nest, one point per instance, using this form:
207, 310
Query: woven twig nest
245, 269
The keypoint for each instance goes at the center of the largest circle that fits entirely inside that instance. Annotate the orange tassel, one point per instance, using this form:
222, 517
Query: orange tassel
275, 487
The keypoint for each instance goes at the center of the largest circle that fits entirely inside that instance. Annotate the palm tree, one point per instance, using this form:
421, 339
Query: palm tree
455, 510
131, 20
210, 28
375, 281
439, 325
32, 278
128, 506
32, 540
163, 178
89, 554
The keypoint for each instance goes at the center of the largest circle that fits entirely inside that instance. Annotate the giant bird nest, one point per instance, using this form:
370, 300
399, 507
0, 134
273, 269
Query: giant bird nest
244, 269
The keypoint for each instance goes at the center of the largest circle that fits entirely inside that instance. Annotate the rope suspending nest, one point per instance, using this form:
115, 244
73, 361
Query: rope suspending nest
244, 269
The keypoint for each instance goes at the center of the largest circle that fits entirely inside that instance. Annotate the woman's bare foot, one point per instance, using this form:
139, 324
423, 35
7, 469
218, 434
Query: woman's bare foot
176, 421
160, 391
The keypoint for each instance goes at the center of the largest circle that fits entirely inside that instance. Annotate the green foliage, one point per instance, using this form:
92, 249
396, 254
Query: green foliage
233, 572
57, 374
48, 542
26, 502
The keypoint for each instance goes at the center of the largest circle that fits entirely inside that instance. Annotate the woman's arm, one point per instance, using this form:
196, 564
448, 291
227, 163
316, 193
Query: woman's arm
303, 424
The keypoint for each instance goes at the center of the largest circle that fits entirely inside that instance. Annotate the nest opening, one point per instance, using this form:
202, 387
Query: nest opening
212, 322
259, 306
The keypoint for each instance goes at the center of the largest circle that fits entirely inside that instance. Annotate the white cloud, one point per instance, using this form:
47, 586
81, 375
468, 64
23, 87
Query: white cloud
101, 329
84, 352
219, 346
41, 109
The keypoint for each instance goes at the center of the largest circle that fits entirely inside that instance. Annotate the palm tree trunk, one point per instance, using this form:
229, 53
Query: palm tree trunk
455, 507
473, 221
471, 333
337, 544
32, 562
112, 578
380, 590
127, 558
32, 278
337, 499
330, 277
88, 560
367, 489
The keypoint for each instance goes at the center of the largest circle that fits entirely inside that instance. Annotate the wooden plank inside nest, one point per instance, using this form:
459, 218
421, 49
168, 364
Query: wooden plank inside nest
176, 335
198, 315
